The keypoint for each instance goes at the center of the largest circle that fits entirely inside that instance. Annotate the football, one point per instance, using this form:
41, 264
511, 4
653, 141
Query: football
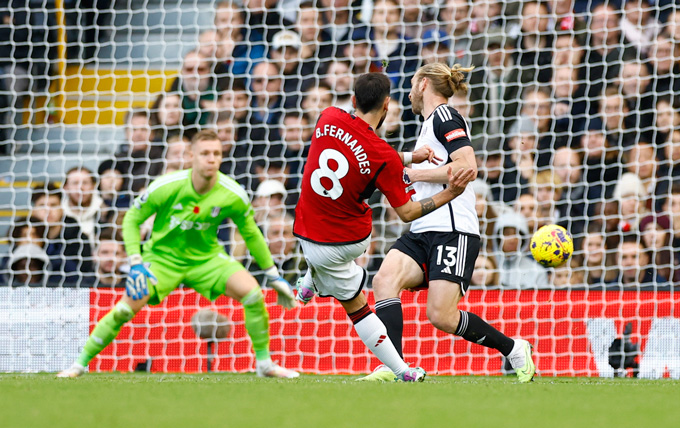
552, 245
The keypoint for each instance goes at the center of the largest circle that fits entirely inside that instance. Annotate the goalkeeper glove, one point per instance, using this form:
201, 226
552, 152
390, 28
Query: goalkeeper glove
136, 284
286, 298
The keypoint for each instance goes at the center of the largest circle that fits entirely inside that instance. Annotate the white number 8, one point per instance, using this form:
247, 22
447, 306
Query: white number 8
324, 170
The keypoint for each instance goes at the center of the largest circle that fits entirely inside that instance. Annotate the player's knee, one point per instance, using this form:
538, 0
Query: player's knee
444, 319
123, 313
384, 282
252, 297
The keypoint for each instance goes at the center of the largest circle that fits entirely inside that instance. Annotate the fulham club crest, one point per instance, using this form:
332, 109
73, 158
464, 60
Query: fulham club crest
215, 211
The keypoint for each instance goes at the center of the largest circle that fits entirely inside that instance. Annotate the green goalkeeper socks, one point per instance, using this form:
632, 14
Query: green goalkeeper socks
257, 322
105, 331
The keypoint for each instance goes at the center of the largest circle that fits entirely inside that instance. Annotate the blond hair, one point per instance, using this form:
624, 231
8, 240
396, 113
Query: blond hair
205, 135
446, 80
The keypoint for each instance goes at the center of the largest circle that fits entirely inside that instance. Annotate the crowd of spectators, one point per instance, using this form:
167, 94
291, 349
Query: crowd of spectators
573, 109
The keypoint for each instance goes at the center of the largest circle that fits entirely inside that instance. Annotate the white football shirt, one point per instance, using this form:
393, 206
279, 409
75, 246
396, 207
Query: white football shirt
445, 131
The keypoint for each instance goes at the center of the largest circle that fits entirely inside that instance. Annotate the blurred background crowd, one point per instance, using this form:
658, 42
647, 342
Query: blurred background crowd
574, 111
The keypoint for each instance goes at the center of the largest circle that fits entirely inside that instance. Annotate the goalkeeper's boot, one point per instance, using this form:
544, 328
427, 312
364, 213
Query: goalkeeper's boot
521, 361
75, 370
382, 373
304, 293
412, 375
272, 369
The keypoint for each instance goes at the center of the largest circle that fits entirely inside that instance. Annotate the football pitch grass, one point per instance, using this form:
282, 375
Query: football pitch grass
243, 400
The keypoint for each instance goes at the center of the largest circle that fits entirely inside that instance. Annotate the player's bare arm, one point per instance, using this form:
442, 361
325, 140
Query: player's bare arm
457, 182
463, 158
425, 153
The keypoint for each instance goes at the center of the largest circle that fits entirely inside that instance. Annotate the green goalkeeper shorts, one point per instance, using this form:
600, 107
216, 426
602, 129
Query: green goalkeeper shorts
208, 278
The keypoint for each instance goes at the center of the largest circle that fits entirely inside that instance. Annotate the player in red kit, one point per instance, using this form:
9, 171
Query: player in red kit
347, 161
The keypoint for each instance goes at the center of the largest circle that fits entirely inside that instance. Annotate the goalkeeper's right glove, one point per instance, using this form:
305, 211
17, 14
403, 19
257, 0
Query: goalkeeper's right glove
136, 284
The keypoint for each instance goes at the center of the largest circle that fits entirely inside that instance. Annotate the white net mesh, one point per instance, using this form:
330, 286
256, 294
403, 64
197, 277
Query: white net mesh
574, 117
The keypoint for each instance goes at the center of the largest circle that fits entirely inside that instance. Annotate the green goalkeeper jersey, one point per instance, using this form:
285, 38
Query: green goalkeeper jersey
185, 227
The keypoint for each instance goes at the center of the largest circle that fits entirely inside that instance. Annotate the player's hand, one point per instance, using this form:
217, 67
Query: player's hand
284, 290
459, 181
426, 153
136, 284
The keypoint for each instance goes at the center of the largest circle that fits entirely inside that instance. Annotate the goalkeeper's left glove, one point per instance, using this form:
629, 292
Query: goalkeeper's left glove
286, 298
137, 280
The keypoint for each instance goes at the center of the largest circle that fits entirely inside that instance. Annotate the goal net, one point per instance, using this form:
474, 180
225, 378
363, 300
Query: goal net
573, 114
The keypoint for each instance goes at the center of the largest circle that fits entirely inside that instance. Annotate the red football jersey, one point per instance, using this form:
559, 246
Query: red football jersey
347, 161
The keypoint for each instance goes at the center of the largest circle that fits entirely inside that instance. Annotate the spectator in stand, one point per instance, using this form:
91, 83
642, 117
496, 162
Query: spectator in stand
198, 86
669, 169
495, 87
487, 211
392, 129
360, 53
339, 78
533, 55
285, 52
268, 100
518, 270
485, 15
672, 209
639, 25
548, 190
226, 132
264, 18
641, 160
506, 185
571, 207
111, 190
461, 103
317, 50
399, 51
141, 160
27, 261
608, 47
655, 231
67, 246
667, 118
418, 17
521, 153
663, 61
527, 206
178, 154
284, 247
436, 47
631, 194
316, 99
602, 165
635, 270
167, 116
564, 18
340, 19
592, 256
111, 260
537, 105
486, 273
569, 109
82, 200
569, 52
635, 84
243, 48
297, 136
454, 15
618, 121
672, 28
565, 276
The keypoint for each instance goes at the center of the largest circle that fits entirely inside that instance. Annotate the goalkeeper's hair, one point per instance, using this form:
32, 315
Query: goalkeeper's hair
446, 80
370, 91
205, 135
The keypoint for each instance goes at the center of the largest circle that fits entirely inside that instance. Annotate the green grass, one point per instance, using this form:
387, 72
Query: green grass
242, 400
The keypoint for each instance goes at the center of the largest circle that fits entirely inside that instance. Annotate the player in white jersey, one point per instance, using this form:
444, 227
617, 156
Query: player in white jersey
440, 250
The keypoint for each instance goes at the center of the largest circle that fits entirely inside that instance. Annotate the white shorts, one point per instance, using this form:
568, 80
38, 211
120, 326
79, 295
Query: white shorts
332, 269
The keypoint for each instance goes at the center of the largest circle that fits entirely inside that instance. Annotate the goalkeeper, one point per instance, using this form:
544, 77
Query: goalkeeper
183, 249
